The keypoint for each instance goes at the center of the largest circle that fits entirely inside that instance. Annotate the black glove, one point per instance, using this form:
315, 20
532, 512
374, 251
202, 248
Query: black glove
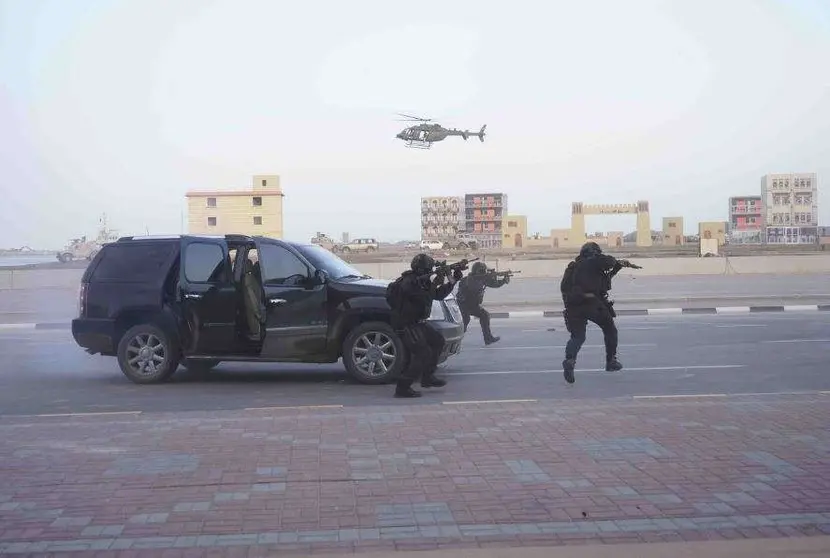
457, 274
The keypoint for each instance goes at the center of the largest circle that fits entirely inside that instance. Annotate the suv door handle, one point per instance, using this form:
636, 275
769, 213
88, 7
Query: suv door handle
277, 301
192, 295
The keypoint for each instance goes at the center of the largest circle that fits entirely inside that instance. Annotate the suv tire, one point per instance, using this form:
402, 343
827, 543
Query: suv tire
375, 339
200, 366
148, 342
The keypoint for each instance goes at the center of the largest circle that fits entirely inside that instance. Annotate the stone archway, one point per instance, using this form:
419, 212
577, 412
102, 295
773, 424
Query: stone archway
579, 210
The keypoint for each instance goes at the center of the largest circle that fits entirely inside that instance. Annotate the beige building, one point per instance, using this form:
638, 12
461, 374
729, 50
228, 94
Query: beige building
673, 231
713, 229
514, 231
255, 212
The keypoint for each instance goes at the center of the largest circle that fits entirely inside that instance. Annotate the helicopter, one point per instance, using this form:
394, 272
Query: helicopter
423, 135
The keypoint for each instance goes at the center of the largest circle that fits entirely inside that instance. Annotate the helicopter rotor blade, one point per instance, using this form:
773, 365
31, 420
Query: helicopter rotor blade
411, 118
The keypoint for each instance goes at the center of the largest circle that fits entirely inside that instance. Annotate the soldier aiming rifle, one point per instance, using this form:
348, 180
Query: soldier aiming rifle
410, 298
471, 295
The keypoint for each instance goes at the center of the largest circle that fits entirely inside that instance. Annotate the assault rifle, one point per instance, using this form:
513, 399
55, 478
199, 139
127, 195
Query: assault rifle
443, 269
503, 274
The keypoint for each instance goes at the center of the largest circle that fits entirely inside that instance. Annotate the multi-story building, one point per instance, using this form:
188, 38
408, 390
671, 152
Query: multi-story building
790, 203
442, 217
256, 212
484, 215
746, 220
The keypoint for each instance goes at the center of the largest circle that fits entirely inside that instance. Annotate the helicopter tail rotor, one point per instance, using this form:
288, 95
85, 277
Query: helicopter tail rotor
481, 133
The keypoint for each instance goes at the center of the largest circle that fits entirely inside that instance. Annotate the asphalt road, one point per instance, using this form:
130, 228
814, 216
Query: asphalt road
43, 372
630, 291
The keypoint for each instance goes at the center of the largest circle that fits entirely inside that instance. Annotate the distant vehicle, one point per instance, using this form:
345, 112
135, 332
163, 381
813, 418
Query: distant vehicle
423, 135
460, 242
83, 249
326, 242
360, 245
157, 302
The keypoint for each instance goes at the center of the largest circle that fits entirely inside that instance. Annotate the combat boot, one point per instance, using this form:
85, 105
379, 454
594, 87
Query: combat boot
432, 381
407, 393
613, 365
491, 340
568, 366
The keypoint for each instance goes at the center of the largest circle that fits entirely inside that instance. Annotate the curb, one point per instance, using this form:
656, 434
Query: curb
548, 314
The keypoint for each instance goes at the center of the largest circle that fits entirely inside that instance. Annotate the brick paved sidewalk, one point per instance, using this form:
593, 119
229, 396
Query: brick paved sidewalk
416, 477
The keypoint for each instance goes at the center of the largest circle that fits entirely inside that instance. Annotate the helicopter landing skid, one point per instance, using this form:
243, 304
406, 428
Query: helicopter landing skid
419, 144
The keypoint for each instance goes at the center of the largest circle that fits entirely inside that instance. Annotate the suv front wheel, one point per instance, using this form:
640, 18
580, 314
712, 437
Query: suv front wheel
147, 355
373, 353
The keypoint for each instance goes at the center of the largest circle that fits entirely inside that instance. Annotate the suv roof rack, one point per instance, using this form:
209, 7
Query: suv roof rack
231, 237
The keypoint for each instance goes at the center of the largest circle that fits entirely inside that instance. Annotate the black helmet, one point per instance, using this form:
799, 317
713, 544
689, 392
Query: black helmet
590, 249
479, 268
422, 263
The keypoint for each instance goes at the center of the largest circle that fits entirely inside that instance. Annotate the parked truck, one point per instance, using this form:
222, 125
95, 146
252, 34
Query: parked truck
83, 249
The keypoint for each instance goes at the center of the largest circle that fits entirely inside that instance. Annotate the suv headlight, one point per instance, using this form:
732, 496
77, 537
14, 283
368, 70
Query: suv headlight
437, 313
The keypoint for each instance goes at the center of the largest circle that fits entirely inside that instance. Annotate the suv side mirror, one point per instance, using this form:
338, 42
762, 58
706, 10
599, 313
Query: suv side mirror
320, 277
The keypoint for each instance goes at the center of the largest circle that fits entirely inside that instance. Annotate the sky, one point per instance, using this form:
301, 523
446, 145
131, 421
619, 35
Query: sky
121, 106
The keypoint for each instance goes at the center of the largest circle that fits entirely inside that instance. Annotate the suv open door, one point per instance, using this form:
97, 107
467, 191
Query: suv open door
207, 296
296, 320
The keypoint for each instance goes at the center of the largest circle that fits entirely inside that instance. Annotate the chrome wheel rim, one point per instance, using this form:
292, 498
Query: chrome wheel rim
374, 354
145, 354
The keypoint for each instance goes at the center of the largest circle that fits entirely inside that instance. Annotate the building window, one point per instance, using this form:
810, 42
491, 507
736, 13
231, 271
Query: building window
211, 221
263, 182
257, 201
257, 220
211, 202
672, 224
512, 224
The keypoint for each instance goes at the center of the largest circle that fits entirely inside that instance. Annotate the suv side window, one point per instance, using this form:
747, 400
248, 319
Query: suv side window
280, 266
132, 263
205, 263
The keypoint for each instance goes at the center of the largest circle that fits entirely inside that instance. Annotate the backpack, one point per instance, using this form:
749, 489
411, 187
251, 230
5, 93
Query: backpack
393, 294
567, 284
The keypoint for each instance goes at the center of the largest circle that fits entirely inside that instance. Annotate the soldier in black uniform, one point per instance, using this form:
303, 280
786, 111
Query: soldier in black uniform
471, 294
584, 288
410, 298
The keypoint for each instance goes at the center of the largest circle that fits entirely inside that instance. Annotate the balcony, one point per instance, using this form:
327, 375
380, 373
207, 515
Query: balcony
746, 210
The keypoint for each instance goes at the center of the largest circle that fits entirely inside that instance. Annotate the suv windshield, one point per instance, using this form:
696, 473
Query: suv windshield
328, 262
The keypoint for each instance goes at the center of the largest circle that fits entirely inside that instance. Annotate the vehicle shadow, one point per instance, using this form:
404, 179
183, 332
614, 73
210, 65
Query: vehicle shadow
229, 373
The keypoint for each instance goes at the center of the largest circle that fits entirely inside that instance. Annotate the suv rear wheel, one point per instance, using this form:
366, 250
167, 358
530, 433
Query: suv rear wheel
373, 353
147, 355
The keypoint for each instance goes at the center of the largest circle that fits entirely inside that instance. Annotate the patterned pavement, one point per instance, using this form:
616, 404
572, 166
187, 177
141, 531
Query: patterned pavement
312, 480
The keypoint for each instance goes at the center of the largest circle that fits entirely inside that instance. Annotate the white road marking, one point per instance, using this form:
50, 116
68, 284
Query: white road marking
798, 341
540, 347
739, 325
624, 370
747, 394
97, 414
654, 311
733, 310
680, 396
490, 401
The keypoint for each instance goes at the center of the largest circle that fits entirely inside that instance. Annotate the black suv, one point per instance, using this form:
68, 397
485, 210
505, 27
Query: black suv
157, 302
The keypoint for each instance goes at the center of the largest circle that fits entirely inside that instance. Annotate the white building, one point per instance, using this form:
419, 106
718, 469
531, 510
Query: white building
442, 217
790, 208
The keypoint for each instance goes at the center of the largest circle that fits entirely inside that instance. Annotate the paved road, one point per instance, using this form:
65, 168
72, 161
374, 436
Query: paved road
209, 463
44, 372
629, 290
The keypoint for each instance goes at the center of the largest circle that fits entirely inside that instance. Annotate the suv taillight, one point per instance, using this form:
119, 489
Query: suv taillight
82, 299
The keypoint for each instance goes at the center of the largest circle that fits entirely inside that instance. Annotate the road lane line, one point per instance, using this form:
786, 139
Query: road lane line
636, 369
528, 347
798, 341
490, 401
96, 414
679, 396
